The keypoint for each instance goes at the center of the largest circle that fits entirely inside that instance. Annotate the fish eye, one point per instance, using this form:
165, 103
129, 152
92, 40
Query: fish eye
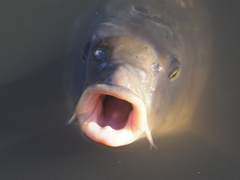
174, 69
99, 54
173, 74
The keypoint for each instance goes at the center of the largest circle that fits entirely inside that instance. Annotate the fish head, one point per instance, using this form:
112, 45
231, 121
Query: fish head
145, 65
123, 74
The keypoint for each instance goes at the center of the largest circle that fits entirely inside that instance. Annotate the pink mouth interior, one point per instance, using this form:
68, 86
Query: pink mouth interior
115, 112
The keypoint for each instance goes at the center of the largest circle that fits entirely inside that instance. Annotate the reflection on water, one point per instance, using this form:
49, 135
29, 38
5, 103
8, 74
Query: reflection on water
35, 145
219, 123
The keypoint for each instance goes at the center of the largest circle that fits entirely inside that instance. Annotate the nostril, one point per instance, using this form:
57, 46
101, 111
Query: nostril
106, 66
103, 66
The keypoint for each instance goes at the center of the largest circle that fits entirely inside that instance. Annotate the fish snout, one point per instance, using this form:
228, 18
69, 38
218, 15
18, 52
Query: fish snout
125, 75
112, 110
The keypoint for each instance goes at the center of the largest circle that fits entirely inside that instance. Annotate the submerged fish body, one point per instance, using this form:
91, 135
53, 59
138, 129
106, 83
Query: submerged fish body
137, 68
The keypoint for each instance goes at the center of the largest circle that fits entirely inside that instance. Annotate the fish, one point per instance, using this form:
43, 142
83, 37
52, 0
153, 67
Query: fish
136, 68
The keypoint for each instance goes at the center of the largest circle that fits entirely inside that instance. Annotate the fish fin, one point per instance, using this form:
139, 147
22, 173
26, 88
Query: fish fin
152, 145
150, 139
71, 120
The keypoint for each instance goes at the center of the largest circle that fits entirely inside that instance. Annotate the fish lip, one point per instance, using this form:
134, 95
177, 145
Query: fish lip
87, 111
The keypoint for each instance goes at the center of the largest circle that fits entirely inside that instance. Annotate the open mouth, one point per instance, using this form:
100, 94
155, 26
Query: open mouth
115, 112
112, 115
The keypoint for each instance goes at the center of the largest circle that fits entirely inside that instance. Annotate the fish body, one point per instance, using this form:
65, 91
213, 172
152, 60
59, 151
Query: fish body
137, 68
